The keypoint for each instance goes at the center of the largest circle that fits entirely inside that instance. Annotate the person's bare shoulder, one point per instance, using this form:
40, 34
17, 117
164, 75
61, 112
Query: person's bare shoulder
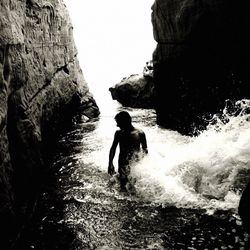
117, 132
139, 131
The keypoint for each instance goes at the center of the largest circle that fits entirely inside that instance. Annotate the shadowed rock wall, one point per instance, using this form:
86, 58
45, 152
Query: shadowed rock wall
41, 86
202, 59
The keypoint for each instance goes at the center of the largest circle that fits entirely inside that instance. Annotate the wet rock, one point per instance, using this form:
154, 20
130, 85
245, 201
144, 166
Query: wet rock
202, 58
39, 80
244, 208
134, 91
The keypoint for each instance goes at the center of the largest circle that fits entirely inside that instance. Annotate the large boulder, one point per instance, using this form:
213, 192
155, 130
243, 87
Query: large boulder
135, 91
41, 86
202, 59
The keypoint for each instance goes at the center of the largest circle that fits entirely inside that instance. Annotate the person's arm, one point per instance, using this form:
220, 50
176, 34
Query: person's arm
111, 169
144, 143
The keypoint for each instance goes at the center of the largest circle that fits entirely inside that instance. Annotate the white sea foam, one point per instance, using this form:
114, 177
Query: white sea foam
194, 172
199, 172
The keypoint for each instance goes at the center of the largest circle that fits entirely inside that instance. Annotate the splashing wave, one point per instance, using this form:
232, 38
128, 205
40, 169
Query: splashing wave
208, 171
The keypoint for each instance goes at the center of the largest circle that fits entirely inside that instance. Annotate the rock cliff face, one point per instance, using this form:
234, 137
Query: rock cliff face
41, 85
202, 58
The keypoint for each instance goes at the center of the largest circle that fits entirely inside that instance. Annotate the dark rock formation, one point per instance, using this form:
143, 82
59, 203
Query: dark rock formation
41, 85
244, 208
202, 58
135, 91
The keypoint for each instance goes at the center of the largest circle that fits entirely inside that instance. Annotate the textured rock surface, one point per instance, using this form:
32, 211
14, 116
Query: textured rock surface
202, 58
134, 91
41, 84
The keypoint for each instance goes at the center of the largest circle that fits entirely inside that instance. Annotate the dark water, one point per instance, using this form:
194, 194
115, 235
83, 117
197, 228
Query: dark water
182, 200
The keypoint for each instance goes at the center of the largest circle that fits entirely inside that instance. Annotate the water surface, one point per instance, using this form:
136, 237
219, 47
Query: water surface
187, 188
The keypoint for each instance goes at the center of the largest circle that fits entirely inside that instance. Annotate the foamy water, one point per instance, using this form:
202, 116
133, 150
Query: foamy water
203, 174
200, 172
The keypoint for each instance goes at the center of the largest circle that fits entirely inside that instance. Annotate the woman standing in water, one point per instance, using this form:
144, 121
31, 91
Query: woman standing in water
130, 140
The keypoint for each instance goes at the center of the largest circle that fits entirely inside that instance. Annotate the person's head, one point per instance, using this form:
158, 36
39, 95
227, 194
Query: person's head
123, 120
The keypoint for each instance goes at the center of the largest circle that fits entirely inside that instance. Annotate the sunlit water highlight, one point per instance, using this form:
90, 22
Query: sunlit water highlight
194, 172
205, 173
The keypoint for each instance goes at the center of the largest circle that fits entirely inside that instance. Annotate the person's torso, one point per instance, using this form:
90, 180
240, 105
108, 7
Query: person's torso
129, 142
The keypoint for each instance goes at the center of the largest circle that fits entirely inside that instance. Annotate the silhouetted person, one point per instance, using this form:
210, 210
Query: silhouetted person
131, 140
